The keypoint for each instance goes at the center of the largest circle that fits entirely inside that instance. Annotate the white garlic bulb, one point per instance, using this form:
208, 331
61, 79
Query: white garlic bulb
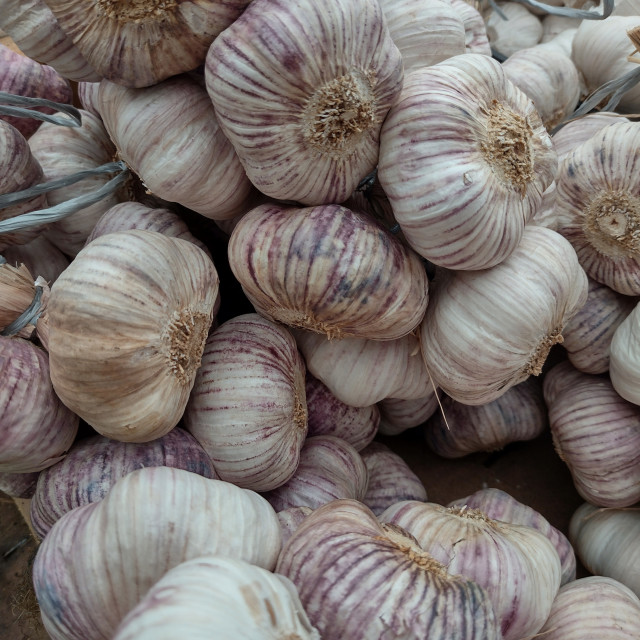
624, 357
521, 30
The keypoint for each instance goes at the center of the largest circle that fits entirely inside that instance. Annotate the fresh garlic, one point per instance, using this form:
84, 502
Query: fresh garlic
499, 505
328, 269
39, 256
598, 206
327, 415
222, 596
475, 29
18, 485
248, 406
517, 565
607, 542
458, 430
94, 464
98, 561
305, 119
588, 335
464, 160
521, 30
360, 579
486, 331
128, 320
597, 434
593, 607
398, 415
329, 469
624, 356
390, 479
36, 429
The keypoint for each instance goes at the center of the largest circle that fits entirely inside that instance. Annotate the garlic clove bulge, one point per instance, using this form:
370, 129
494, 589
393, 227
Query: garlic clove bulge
521, 29
624, 357
475, 29
398, 415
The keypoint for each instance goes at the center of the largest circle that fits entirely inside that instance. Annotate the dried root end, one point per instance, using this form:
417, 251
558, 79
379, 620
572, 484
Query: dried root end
302, 320
537, 360
300, 417
184, 338
136, 10
408, 545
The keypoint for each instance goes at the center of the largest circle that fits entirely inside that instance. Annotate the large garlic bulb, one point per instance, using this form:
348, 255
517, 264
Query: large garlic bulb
486, 331
301, 90
221, 597
128, 320
624, 357
464, 160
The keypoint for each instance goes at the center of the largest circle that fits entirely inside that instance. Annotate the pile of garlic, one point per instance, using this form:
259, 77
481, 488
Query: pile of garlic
339, 220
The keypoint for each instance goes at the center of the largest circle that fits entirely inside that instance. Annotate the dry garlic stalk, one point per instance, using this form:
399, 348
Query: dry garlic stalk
301, 90
464, 160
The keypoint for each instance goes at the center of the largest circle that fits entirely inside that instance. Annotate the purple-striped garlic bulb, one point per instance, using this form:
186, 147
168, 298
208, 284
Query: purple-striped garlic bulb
138, 45
328, 415
517, 415
19, 485
248, 407
290, 520
517, 565
63, 151
391, 480
598, 205
95, 463
475, 29
128, 320
329, 469
328, 269
499, 505
361, 372
425, 32
624, 357
486, 331
33, 27
98, 561
19, 170
521, 29
596, 433
588, 335
607, 541
305, 119
36, 429
40, 256
464, 161
360, 579
169, 135
225, 597
398, 415
593, 607
23, 76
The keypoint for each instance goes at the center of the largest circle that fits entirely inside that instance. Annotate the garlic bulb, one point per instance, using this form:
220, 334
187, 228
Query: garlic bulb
94, 464
597, 434
464, 160
328, 269
88, 96
624, 357
248, 406
17, 291
360, 579
128, 321
390, 479
232, 597
327, 415
475, 30
425, 32
329, 469
517, 565
458, 430
593, 607
499, 505
36, 429
598, 206
305, 119
361, 372
137, 45
98, 561
520, 30
606, 541
588, 335
398, 415
486, 331
290, 519
18, 485
170, 136
39, 256
553, 26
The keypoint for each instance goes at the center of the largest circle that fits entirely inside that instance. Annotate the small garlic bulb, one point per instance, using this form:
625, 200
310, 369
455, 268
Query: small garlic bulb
305, 119
464, 161
520, 30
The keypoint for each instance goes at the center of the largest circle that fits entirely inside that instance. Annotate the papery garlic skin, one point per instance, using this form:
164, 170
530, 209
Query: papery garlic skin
464, 160
128, 320
237, 599
98, 561
624, 357
476, 39
521, 30
486, 331
305, 119
593, 607
553, 26
40, 256
360, 579
517, 565
398, 415
328, 269
19, 485
606, 541
290, 520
